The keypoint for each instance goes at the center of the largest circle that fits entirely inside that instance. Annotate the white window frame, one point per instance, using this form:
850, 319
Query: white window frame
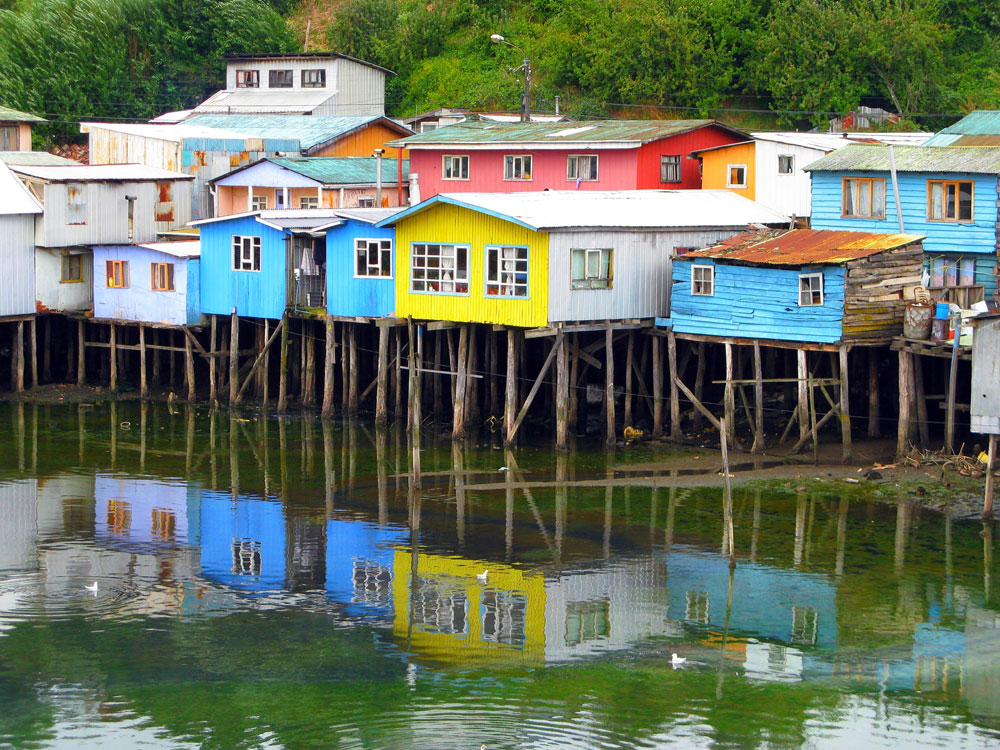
506, 279
250, 253
308, 201
806, 278
573, 167
446, 162
729, 176
383, 247
509, 169
587, 282
679, 164
258, 202
695, 282
791, 164
366, 201
446, 262
243, 75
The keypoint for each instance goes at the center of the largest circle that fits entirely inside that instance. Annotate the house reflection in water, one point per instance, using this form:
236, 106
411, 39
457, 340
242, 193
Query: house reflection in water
143, 512
359, 566
243, 542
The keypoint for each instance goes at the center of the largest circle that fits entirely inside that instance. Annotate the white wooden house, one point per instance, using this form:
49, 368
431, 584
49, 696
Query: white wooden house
18, 209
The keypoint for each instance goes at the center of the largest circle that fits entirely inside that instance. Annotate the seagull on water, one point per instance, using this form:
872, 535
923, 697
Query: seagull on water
481, 577
677, 660
92, 588
504, 468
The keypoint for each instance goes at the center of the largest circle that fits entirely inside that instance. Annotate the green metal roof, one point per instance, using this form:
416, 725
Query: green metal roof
342, 170
554, 133
311, 131
868, 158
982, 122
12, 115
34, 159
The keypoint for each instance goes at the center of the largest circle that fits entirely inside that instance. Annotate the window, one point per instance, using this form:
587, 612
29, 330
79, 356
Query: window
76, 204
426, 127
590, 268
9, 140
864, 198
587, 621
314, 78
678, 251
506, 271
949, 200
373, 258
504, 617
366, 203
281, 79
309, 201
786, 164
455, 167
163, 277
670, 168
117, 274
737, 176
810, 289
953, 271
258, 203
703, 281
247, 559
72, 268
442, 269
439, 606
372, 583
517, 167
805, 625
247, 79
119, 516
583, 167
163, 524
696, 606
246, 253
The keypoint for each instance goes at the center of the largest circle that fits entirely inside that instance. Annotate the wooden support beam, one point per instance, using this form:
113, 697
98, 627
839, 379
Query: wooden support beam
845, 408
949, 413
261, 357
510, 387
283, 365
188, 366
920, 400
234, 348
308, 365
213, 379
461, 383
562, 393
675, 386
990, 458
814, 430
397, 378
629, 355
874, 425
802, 370
657, 388
33, 338
382, 379
81, 353
265, 366
113, 353
758, 399
729, 401
345, 363
329, 366
143, 385
352, 395
512, 433
17, 358
609, 384
698, 404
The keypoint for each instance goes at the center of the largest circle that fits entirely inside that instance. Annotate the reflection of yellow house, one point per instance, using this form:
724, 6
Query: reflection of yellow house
451, 617
729, 168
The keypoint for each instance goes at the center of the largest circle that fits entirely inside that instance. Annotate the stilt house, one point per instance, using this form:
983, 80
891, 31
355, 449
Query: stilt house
18, 209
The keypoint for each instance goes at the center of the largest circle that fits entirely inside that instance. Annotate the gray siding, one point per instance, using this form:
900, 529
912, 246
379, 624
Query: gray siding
18, 527
17, 265
641, 272
360, 90
986, 378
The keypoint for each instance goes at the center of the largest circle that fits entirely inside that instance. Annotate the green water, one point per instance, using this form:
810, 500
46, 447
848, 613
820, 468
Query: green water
258, 587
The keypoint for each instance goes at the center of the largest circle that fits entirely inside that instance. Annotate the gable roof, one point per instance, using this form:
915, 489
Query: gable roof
100, 173
802, 247
304, 56
333, 170
826, 142
34, 158
306, 218
559, 135
979, 128
14, 115
14, 195
180, 132
313, 132
179, 249
865, 158
624, 209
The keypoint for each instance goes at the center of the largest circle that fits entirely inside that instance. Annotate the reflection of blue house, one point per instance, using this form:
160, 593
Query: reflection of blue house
773, 603
142, 513
359, 560
243, 542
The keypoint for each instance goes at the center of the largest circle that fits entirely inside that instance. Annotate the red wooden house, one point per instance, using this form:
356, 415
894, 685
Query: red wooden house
494, 157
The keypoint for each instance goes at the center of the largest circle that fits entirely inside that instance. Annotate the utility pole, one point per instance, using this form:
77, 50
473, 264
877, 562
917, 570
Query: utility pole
526, 96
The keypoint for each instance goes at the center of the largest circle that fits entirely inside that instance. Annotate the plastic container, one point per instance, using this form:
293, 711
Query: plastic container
941, 311
917, 320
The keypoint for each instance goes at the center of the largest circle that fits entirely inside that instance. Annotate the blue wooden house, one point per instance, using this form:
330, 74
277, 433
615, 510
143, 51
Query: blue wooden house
360, 263
806, 285
156, 282
947, 194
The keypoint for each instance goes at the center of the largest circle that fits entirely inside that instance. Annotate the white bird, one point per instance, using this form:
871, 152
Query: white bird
481, 577
504, 468
676, 660
92, 587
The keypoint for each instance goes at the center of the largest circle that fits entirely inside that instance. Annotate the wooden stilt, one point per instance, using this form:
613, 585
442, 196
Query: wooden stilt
845, 407
81, 352
17, 358
70, 356
283, 366
512, 434
812, 419
609, 384
437, 380
309, 378
262, 357
113, 360
213, 380
657, 388
905, 401
397, 372
329, 366
472, 384
874, 426
234, 357
345, 363
675, 401
352, 396
143, 385
172, 359
758, 398
47, 348
416, 399
991, 454
188, 368
921, 401
699, 383
494, 387
381, 393
33, 337
461, 383
510, 393
629, 354
452, 364
265, 367
574, 375
802, 372
729, 400
562, 394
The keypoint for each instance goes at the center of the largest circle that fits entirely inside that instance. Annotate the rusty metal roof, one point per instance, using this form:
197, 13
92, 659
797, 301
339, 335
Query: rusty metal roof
802, 247
623, 133
868, 158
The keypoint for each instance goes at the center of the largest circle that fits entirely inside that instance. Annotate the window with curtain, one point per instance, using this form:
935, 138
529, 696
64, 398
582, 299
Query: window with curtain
949, 200
591, 268
954, 271
864, 198
162, 277
506, 271
439, 269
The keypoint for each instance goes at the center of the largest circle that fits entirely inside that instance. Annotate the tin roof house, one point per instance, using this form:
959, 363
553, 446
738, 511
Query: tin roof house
84, 206
485, 156
947, 194
18, 209
769, 168
311, 182
304, 83
532, 259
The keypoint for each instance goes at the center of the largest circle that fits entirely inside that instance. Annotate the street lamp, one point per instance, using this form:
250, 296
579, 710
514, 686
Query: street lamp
526, 65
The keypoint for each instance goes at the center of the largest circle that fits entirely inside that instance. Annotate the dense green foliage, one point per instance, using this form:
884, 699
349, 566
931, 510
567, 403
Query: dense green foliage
71, 60
806, 57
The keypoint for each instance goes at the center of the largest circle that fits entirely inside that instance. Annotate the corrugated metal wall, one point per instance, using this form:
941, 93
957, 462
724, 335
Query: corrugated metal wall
360, 90
454, 224
254, 294
757, 303
345, 294
138, 301
17, 264
115, 147
18, 527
